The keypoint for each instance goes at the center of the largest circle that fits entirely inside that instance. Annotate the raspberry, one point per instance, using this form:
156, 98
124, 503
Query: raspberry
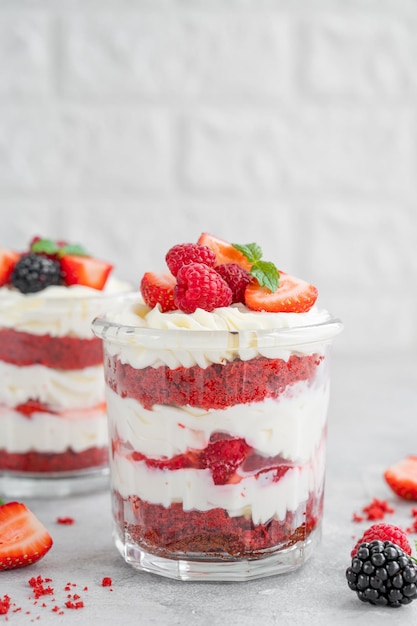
186, 253
200, 286
237, 278
223, 457
384, 532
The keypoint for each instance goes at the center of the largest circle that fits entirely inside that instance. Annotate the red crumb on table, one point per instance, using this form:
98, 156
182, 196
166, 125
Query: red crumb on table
74, 602
106, 582
5, 603
39, 588
65, 520
376, 510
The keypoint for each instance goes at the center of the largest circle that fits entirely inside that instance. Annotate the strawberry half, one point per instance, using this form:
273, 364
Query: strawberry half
85, 270
224, 251
8, 259
293, 295
158, 289
402, 478
23, 538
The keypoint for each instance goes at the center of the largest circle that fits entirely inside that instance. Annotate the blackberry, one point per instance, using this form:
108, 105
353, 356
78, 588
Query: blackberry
382, 574
34, 272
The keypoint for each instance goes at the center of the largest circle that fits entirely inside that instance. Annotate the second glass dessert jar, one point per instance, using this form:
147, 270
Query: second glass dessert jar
217, 447
54, 436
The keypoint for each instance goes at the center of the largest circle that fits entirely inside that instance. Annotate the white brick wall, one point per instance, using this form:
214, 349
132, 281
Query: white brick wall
131, 125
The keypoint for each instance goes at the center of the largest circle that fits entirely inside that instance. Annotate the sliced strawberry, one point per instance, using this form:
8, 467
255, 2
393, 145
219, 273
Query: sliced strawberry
8, 259
32, 406
293, 295
224, 251
158, 289
23, 538
85, 270
223, 457
177, 462
402, 478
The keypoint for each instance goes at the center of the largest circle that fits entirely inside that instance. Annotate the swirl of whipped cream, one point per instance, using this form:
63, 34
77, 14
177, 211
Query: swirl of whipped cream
146, 337
58, 310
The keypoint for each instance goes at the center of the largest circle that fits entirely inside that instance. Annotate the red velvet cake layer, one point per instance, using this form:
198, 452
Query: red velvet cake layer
217, 386
65, 353
68, 461
172, 532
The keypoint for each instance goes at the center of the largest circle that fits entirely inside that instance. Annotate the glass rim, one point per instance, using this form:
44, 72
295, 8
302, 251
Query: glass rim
187, 337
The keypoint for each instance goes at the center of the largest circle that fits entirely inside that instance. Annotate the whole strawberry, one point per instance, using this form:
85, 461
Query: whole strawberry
200, 286
237, 278
384, 532
186, 253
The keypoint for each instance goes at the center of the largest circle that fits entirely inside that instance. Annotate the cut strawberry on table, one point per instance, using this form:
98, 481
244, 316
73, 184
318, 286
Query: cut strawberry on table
402, 478
225, 252
158, 289
292, 296
23, 538
8, 259
85, 270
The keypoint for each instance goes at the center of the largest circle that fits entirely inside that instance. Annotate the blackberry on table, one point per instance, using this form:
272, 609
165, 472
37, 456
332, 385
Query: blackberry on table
34, 272
382, 574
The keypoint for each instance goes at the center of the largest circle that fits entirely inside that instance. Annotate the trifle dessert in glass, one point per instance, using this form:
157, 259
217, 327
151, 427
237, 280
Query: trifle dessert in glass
217, 386
53, 435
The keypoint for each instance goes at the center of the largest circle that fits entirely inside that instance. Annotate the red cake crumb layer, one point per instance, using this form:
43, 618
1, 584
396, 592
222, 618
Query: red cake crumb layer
48, 462
66, 353
172, 532
214, 387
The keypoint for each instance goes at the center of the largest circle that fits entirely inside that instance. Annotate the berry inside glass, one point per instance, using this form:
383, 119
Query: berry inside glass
217, 446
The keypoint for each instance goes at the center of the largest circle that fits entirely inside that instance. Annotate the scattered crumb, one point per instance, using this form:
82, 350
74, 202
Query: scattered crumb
65, 520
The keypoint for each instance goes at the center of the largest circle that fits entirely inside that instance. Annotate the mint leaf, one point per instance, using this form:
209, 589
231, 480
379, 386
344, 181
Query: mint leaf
251, 251
45, 246
73, 248
265, 272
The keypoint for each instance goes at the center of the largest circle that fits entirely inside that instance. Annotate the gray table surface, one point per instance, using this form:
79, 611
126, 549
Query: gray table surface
372, 423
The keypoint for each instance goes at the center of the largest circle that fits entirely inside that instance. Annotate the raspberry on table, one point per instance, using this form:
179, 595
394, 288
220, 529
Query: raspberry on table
200, 286
186, 253
237, 278
384, 532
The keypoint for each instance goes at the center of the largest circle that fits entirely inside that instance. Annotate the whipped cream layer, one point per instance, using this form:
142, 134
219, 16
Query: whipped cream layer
46, 433
65, 389
290, 426
218, 336
58, 310
260, 498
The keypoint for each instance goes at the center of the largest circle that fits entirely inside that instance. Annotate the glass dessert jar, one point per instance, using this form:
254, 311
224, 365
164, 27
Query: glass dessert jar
217, 445
53, 436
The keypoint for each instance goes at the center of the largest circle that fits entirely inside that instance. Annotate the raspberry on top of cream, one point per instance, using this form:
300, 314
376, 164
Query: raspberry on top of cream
219, 288
214, 273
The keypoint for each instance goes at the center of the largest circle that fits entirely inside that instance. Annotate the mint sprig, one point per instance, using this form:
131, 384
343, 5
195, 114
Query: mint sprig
45, 246
265, 272
53, 248
72, 248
